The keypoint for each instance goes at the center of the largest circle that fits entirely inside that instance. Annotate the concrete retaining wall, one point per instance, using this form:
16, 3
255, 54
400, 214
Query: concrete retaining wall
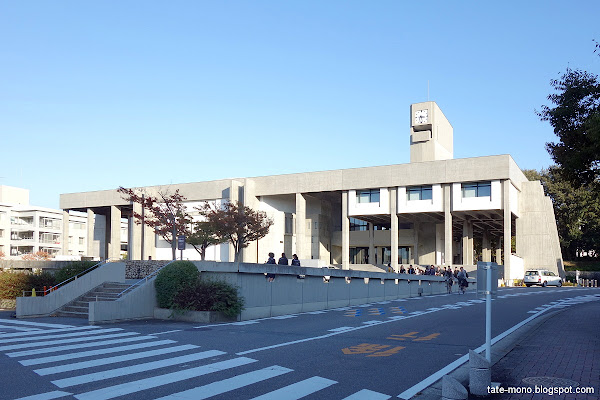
44, 305
137, 304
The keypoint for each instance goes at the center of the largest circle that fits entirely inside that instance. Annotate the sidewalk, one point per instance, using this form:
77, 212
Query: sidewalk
563, 350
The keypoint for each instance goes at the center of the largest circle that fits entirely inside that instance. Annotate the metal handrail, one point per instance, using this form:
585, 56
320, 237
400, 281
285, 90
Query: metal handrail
145, 279
97, 265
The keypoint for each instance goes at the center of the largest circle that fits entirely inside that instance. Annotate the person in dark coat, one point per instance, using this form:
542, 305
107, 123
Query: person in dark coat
271, 259
295, 261
283, 260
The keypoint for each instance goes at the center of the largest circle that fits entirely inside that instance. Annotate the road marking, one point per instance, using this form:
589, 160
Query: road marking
341, 329
71, 356
46, 331
298, 390
160, 380
46, 396
72, 340
367, 394
245, 323
18, 329
410, 392
285, 316
112, 360
316, 312
226, 385
133, 369
65, 335
78, 346
173, 331
27, 323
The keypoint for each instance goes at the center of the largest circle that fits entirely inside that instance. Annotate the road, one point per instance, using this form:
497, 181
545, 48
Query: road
370, 351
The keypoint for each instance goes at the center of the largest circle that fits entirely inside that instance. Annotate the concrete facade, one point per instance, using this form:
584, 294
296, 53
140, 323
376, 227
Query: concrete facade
433, 210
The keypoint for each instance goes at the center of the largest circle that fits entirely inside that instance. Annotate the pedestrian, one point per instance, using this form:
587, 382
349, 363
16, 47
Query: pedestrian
271, 259
449, 278
283, 260
295, 261
402, 269
462, 280
411, 270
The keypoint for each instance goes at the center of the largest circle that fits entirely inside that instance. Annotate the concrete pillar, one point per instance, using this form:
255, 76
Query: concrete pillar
467, 243
371, 244
447, 226
394, 227
345, 232
415, 251
134, 247
507, 226
499, 255
301, 241
65, 233
114, 243
486, 251
91, 218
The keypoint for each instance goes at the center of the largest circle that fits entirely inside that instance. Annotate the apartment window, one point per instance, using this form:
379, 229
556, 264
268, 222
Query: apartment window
476, 189
358, 225
419, 193
367, 196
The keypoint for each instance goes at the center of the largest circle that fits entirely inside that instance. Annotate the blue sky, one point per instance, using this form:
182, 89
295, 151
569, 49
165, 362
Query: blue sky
95, 95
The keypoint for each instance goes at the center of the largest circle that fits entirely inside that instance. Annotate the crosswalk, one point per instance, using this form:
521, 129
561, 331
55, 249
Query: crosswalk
96, 363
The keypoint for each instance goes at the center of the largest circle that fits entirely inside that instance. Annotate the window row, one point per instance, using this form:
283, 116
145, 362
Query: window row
425, 192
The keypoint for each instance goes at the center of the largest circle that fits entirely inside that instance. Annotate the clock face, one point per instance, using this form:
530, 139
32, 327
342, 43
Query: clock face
421, 117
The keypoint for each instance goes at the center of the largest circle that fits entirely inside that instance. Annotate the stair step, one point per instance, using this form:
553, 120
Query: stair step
72, 314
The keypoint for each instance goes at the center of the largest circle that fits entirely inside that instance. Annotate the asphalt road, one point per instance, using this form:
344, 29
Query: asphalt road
371, 351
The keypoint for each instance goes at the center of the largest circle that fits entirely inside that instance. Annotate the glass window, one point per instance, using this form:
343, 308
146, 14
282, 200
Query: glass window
476, 189
358, 225
419, 193
367, 196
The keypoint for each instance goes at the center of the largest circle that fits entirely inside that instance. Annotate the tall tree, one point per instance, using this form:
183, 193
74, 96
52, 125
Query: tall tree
204, 235
575, 117
237, 223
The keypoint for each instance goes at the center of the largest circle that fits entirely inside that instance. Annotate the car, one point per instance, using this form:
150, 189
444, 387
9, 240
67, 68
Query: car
541, 277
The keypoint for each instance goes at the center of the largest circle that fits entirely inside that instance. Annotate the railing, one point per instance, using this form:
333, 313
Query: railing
144, 280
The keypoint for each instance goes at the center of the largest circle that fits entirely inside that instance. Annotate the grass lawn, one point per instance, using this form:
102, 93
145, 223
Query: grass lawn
582, 265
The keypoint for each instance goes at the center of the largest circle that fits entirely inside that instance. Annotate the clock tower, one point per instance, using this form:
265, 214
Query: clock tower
431, 135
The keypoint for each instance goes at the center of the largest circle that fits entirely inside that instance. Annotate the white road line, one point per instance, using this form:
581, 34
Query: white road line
285, 316
117, 372
410, 392
298, 390
315, 312
77, 346
46, 396
340, 329
112, 360
46, 331
27, 323
72, 340
244, 323
367, 394
227, 385
22, 330
65, 335
72, 356
160, 380
372, 322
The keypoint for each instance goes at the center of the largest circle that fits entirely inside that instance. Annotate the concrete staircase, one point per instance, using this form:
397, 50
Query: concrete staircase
108, 291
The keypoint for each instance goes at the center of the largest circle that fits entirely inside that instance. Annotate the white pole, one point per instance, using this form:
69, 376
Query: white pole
488, 314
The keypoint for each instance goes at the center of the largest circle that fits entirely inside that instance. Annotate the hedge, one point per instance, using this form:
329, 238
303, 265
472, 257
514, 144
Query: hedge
171, 279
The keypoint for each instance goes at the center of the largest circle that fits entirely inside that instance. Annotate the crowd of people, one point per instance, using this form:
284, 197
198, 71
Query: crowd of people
283, 260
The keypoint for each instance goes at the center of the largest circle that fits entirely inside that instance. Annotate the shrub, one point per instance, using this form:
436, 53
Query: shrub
38, 281
171, 279
72, 269
12, 284
210, 295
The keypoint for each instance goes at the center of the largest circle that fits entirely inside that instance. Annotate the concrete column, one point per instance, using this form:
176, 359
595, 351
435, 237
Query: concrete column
301, 242
467, 243
65, 233
507, 226
345, 232
471, 244
415, 251
447, 226
114, 243
394, 226
371, 244
486, 251
499, 256
135, 235
91, 218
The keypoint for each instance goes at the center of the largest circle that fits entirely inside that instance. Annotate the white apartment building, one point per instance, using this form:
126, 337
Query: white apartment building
433, 210
27, 229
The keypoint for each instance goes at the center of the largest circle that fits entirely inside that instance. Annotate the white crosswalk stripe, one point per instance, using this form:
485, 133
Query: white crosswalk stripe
298, 390
72, 340
57, 336
38, 331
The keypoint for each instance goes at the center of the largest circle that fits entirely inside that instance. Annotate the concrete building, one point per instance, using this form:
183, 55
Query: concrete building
27, 229
433, 210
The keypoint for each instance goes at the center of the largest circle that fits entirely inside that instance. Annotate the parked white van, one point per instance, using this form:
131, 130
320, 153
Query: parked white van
541, 277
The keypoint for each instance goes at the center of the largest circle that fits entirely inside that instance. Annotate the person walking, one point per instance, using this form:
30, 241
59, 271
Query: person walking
295, 261
462, 280
449, 278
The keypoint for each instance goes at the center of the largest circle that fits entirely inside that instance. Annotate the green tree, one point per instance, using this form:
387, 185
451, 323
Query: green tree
237, 224
205, 234
575, 117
